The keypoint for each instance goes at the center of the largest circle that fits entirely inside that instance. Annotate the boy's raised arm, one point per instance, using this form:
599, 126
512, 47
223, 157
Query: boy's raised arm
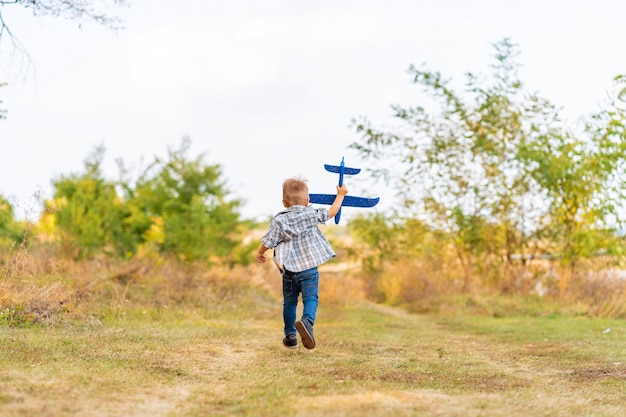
341, 193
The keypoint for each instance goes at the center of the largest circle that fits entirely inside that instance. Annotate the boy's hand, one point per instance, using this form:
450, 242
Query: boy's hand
343, 190
260, 254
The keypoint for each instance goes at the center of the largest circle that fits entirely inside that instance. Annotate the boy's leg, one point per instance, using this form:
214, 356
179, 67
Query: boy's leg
308, 281
290, 303
309, 285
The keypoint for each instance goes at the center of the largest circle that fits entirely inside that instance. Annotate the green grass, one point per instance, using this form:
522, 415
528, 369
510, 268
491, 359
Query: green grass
370, 361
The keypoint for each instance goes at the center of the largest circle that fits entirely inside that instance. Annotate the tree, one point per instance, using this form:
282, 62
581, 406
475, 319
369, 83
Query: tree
458, 167
98, 11
478, 169
178, 206
184, 202
582, 177
86, 215
78, 10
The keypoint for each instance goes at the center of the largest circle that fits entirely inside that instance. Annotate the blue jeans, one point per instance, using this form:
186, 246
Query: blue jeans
294, 283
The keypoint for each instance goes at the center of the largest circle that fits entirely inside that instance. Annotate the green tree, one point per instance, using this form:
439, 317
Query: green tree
582, 177
457, 169
497, 170
186, 201
87, 214
178, 206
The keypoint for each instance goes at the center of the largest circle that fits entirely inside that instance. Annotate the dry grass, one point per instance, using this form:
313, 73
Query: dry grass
49, 290
371, 361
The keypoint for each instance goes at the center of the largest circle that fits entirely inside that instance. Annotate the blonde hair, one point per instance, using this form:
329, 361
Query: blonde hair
295, 192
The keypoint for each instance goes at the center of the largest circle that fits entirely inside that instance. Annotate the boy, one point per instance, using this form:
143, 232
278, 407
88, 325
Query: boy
299, 247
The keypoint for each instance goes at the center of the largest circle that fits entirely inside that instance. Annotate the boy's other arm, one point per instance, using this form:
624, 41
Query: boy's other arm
341, 193
260, 255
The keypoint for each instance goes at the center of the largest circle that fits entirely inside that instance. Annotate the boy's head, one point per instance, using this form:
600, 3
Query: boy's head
295, 192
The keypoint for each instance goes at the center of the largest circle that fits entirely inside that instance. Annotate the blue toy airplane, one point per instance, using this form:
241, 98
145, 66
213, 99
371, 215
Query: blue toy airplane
348, 200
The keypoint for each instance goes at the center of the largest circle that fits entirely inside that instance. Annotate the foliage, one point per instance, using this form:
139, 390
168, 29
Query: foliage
9, 228
581, 177
186, 199
403, 260
497, 170
178, 207
97, 11
458, 167
86, 214
381, 237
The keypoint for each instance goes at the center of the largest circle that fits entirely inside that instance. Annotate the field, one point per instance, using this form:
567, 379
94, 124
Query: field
371, 360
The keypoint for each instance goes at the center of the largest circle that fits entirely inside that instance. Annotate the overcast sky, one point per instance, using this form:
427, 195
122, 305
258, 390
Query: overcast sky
267, 89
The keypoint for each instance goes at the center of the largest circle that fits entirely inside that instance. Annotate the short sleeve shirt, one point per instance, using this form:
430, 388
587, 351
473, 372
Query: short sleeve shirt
297, 241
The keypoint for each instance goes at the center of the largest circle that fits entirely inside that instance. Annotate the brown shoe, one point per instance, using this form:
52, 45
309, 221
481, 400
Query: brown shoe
306, 333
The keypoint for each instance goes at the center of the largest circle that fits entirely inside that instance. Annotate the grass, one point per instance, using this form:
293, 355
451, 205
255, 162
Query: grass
371, 360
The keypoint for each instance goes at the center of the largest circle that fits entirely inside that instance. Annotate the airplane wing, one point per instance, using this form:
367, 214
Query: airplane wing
348, 201
322, 198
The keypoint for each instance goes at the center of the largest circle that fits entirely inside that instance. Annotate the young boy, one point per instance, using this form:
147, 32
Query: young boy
299, 247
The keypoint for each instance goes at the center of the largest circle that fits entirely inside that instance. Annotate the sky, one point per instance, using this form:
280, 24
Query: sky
268, 89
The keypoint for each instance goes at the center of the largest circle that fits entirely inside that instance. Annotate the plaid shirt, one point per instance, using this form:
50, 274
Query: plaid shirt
297, 241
